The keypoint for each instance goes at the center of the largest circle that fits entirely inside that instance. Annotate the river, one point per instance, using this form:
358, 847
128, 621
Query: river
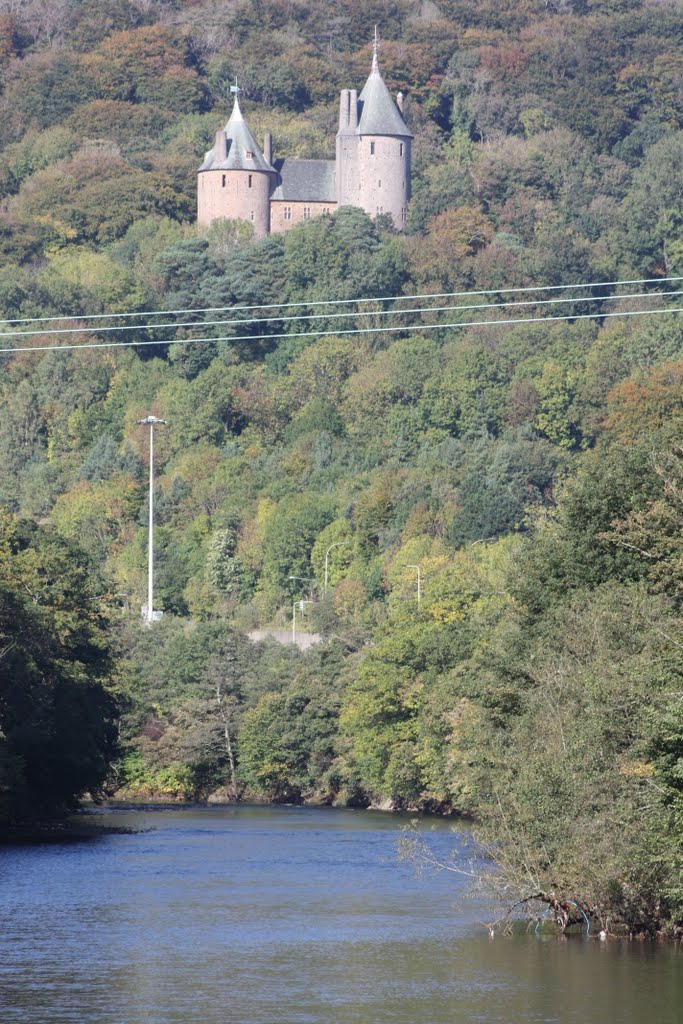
262, 915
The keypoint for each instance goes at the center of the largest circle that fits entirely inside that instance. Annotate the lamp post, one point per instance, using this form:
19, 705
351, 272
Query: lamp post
151, 422
419, 580
300, 605
327, 553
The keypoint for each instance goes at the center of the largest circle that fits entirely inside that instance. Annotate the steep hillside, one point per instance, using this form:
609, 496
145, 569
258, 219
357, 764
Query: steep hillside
530, 470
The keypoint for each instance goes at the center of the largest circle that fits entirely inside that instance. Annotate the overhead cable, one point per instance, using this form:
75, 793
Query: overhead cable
337, 302
334, 316
404, 329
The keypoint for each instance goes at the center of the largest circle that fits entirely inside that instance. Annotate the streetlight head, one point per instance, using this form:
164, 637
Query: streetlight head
150, 421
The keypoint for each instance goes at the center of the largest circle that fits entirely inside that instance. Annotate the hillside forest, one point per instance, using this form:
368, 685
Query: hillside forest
533, 471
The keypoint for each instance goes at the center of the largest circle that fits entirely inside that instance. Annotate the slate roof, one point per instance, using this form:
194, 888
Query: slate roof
301, 181
240, 142
377, 111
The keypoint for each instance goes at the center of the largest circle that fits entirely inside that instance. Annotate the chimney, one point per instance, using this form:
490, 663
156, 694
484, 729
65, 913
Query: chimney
353, 110
343, 110
268, 147
220, 152
399, 101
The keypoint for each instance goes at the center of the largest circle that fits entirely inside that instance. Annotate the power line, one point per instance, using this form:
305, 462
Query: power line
337, 302
405, 329
334, 316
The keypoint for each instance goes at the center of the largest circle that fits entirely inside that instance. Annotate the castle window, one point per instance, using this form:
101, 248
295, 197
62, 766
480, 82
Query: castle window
252, 214
400, 149
372, 149
307, 212
326, 209
248, 154
288, 212
404, 214
223, 182
249, 182
379, 183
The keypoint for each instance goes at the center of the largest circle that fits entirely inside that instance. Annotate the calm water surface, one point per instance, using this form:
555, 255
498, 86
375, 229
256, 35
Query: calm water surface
288, 916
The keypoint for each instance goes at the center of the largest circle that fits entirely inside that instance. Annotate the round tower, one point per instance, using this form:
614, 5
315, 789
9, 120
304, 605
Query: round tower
374, 150
384, 176
236, 178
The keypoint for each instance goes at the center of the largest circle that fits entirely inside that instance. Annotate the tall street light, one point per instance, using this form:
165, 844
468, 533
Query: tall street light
327, 554
419, 580
151, 422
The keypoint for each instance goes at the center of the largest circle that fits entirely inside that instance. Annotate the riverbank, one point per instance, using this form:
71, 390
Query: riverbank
131, 796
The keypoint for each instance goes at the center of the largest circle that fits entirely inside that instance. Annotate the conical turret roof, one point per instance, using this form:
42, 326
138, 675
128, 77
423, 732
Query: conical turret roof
377, 111
244, 152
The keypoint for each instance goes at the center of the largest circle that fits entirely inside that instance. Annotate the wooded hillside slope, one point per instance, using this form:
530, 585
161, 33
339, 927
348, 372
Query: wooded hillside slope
532, 471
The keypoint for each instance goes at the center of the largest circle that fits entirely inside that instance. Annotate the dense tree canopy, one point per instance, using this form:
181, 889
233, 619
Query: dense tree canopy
57, 715
530, 470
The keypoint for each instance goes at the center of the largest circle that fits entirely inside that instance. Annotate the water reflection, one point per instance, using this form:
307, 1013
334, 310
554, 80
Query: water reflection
267, 916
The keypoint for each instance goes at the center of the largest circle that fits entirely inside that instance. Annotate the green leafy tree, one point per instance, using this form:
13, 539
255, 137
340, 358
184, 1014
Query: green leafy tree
288, 741
57, 714
593, 723
289, 538
502, 488
653, 211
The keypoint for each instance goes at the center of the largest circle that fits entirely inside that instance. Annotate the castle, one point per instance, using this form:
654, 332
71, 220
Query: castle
239, 180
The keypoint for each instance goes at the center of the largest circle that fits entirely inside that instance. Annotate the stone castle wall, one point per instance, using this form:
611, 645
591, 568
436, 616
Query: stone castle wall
284, 215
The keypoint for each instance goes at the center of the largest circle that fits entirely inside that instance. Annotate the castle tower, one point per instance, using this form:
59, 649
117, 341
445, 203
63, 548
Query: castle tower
236, 177
373, 150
